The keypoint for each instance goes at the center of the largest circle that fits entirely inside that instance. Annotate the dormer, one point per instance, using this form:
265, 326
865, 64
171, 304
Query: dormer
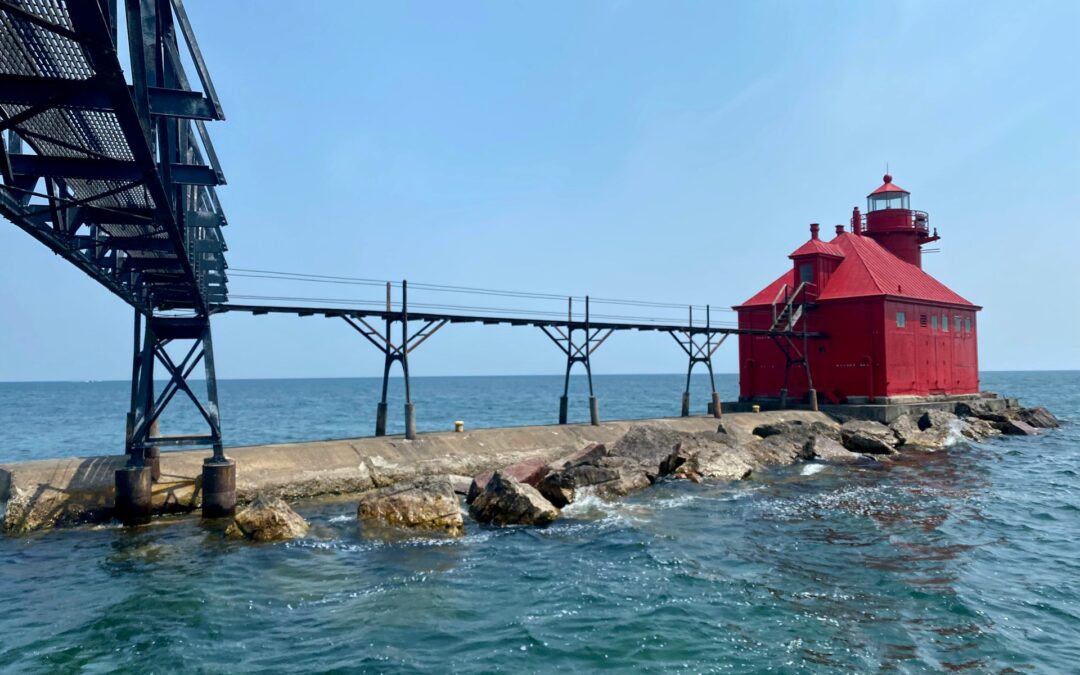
814, 262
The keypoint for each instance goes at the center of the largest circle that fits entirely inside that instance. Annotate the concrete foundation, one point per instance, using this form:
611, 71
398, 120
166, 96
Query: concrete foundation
134, 503
219, 488
885, 411
49, 493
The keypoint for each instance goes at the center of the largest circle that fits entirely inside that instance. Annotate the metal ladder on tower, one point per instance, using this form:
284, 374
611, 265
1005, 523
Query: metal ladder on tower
786, 315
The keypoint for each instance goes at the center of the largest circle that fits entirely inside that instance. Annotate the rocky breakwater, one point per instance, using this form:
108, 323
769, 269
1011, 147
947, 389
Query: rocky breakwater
534, 492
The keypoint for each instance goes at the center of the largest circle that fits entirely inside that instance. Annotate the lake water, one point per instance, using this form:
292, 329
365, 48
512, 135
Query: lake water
961, 560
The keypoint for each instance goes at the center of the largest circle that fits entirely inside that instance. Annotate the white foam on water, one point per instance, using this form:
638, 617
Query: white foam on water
811, 469
343, 518
956, 432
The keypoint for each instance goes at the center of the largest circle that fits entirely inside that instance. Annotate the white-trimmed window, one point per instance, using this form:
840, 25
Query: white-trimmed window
933, 322
901, 320
967, 325
944, 323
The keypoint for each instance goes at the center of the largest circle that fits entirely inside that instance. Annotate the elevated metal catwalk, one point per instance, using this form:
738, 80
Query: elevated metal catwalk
111, 167
577, 337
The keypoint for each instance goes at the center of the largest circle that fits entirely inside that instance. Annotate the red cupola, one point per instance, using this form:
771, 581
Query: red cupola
891, 222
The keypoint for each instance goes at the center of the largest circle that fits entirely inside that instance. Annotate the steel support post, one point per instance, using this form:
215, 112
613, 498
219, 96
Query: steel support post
577, 350
393, 352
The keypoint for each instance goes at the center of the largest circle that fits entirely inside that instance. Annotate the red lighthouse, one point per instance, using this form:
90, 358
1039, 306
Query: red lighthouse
890, 332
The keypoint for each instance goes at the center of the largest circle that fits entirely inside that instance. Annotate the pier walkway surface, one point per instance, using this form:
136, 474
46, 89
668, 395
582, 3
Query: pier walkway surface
58, 492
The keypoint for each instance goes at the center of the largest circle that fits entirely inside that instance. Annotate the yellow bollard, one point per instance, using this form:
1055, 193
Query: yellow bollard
755, 408
459, 426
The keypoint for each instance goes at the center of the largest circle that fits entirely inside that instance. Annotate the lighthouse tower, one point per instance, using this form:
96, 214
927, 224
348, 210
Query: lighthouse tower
891, 222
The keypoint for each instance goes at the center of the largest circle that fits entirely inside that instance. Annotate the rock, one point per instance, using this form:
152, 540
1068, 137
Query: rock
1016, 427
609, 477
778, 450
529, 472
461, 483
1039, 417
974, 408
648, 445
698, 458
796, 428
979, 430
866, 436
830, 450
267, 519
718, 463
587, 455
505, 501
932, 430
424, 504
631, 477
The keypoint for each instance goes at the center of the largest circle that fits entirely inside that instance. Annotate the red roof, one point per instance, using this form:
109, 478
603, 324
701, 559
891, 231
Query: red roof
815, 246
867, 270
889, 186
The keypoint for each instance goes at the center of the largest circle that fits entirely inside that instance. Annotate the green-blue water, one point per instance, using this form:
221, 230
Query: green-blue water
965, 559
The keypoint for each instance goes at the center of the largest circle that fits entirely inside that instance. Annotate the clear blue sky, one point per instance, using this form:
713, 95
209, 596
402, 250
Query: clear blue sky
664, 151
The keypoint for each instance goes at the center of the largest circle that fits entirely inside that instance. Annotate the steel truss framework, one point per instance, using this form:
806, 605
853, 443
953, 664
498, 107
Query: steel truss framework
153, 337
699, 348
120, 179
578, 349
384, 342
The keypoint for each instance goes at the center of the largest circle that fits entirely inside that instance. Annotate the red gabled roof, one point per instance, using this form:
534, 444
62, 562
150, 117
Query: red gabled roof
766, 295
867, 270
815, 246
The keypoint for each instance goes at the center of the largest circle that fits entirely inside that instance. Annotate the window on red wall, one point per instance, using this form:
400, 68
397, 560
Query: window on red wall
901, 320
933, 322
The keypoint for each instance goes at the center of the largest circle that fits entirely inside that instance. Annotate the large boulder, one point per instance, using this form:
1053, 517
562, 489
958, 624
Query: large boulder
779, 450
1038, 417
1014, 426
975, 408
869, 437
505, 501
797, 429
976, 429
606, 477
267, 518
828, 449
529, 472
648, 445
587, 455
932, 430
715, 457
427, 504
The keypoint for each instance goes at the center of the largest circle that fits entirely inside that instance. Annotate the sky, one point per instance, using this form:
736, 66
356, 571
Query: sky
671, 152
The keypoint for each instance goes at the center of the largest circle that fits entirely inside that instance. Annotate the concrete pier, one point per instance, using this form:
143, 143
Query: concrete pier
57, 492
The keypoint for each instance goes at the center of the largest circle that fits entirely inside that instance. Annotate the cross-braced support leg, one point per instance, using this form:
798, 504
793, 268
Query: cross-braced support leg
394, 352
578, 340
700, 345
154, 335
